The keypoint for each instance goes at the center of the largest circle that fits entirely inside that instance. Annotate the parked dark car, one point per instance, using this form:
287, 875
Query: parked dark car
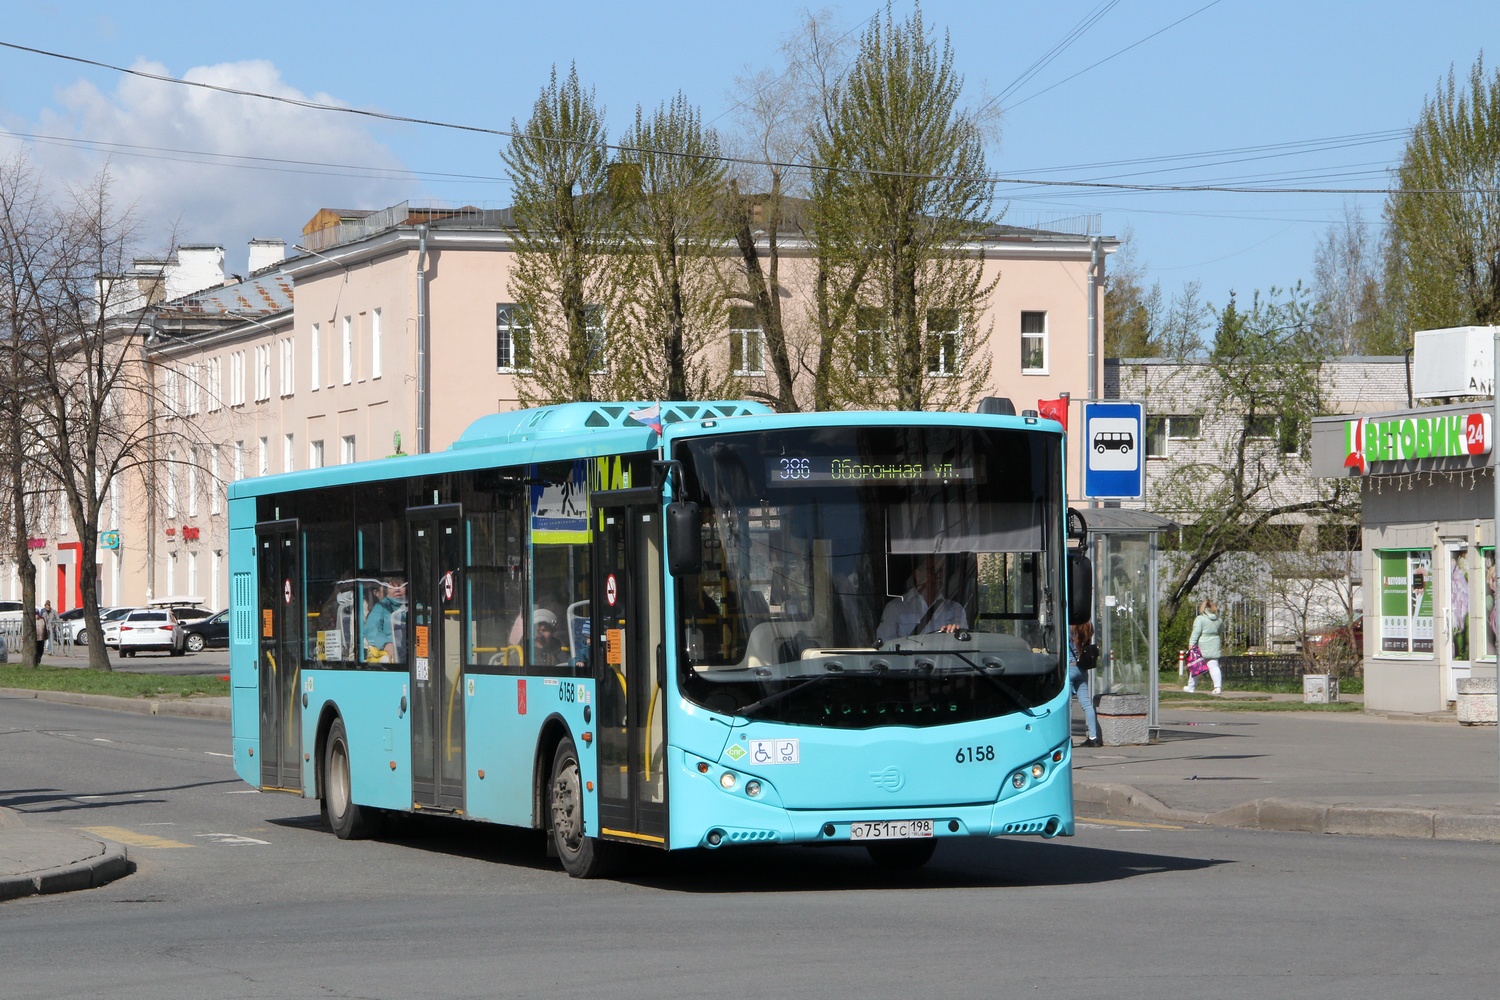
212, 631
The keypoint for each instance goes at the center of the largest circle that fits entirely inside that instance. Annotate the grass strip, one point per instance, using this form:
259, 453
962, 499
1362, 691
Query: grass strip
1181, 699
83, 680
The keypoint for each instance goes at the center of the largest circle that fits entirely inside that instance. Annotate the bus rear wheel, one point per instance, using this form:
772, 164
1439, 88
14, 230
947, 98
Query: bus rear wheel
582, 856
346, 819
902, 855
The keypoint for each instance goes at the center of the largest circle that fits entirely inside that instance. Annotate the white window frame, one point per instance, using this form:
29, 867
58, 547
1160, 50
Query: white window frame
375, 344
192, 483
263, 462
945, 343
348, 350
289, 453
193, 389
288, 367
216, 484
747, 342
262, 373
315, 358
509, 318
215, 384
347, 450
869, 356
1035, 335
171, 485
596, 332
239, 460
1174, 428
315, 454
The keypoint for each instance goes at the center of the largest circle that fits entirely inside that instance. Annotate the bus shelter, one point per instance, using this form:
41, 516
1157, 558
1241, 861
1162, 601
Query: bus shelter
1123, 546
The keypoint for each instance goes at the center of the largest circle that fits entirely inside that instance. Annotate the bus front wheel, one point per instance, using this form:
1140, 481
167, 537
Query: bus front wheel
345, 818
902, 855
582, 856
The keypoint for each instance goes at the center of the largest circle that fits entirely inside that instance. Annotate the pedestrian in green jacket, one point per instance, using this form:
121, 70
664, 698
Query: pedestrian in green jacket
1206, 638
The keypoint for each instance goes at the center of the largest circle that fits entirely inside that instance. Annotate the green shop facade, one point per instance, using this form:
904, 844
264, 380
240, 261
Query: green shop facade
1427, 558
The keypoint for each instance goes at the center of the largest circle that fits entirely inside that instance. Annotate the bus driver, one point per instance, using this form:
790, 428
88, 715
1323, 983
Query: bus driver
923, 608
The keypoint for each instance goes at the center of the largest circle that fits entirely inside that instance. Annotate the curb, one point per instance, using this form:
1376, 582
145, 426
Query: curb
1287, 815
110, 863
140, 706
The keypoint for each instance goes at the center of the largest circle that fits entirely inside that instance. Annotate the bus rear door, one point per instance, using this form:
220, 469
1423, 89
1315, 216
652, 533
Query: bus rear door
628, 665
435, 634
280, 659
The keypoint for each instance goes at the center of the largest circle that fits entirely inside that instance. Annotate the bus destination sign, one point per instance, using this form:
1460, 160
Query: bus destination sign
833, 470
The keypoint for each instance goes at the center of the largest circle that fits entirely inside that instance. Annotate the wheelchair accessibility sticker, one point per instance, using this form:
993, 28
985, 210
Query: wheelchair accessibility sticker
775, 752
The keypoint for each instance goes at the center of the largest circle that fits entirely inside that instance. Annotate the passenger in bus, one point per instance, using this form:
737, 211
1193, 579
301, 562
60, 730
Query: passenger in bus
923, 608
547, 643
379, 636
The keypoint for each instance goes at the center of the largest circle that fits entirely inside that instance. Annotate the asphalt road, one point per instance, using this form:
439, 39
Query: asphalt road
241, 894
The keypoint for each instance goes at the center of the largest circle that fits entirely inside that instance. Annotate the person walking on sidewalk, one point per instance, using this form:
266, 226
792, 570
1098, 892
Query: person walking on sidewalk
49, 626
1206, 637
1083, 656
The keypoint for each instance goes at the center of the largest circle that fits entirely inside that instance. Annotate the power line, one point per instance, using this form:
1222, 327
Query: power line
746, 161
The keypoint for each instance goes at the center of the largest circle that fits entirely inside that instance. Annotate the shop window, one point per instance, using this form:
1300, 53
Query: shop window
1405, 601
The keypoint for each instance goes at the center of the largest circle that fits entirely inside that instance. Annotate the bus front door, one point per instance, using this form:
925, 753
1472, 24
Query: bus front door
628, 665
280, 661
434, 631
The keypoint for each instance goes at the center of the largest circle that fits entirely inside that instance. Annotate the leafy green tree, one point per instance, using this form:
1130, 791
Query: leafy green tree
1132, 312
567, 233
898, 196
1246, 482
669, 333
1443, 218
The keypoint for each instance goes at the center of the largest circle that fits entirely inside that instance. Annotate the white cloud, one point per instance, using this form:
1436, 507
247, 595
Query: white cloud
199, 198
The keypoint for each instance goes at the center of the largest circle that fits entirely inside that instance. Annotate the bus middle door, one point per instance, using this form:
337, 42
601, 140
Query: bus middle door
627, 628
434, 632
279, 629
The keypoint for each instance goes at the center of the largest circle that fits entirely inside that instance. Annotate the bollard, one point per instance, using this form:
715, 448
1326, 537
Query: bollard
1181, 660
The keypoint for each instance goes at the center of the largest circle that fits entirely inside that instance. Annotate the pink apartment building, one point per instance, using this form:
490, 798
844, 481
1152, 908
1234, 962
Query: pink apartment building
389, 330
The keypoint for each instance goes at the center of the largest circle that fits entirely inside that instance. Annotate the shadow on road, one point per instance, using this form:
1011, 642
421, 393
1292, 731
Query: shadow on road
958, 864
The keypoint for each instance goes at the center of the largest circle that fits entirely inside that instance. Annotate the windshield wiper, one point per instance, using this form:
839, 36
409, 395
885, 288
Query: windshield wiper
772, 699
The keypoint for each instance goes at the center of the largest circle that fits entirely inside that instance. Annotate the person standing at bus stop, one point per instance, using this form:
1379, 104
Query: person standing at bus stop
1206, 628
49, 626
1083, 656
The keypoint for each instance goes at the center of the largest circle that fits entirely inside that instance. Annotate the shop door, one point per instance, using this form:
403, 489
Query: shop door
1457, 617
434, 631
280, 663
629, 665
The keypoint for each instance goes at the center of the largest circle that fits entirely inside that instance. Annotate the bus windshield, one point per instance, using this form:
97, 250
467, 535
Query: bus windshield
863, 576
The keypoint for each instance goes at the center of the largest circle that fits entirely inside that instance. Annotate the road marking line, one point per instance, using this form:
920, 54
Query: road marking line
232, 839
130, 838
243, 791
1128, 822
213, 754
100, 739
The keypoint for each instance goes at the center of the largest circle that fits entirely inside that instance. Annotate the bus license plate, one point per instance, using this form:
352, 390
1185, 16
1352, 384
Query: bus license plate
906, 829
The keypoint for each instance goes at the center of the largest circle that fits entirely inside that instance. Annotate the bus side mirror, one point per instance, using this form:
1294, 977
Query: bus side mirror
1080, 588
684, 538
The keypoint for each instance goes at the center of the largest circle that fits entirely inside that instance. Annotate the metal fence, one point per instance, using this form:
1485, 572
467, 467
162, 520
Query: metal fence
10, 635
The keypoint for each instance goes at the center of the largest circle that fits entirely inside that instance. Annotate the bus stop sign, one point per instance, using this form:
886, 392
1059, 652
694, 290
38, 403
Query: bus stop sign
1113, 437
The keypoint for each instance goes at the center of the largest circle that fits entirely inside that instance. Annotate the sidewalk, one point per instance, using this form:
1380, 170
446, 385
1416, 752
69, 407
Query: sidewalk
1352, 773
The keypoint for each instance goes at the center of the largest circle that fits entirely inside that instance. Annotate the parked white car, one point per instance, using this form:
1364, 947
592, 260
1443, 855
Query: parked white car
79, 627
145, 630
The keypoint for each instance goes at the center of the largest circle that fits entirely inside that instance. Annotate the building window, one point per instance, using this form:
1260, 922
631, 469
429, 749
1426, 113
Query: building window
375, 344
263, 463
171, 572
1034, 343
348, 351
170, 392
747, 341
215, 483
288, 453
192, 482
193, 389
869, 341
315, 454
346, 449
315, 357
239, 460
171, 484
1261, 427
1406, 597
192, 561
288, 370
215, 385
512, 338
1162, 431
237, 378
593, 329
944, 339
213, 580
263, 373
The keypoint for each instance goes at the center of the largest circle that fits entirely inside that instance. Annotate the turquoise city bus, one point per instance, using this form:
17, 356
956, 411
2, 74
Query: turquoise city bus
679, 625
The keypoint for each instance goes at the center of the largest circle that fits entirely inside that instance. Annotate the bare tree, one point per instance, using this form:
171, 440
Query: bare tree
1346, 275
79, 391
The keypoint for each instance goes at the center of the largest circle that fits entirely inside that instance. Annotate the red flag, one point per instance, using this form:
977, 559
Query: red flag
1054, 409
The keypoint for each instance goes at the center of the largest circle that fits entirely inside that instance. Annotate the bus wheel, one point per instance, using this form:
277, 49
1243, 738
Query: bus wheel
902, 855
582, 856
346, 818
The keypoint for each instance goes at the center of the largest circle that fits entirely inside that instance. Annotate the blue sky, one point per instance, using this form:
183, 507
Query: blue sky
1310, 94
